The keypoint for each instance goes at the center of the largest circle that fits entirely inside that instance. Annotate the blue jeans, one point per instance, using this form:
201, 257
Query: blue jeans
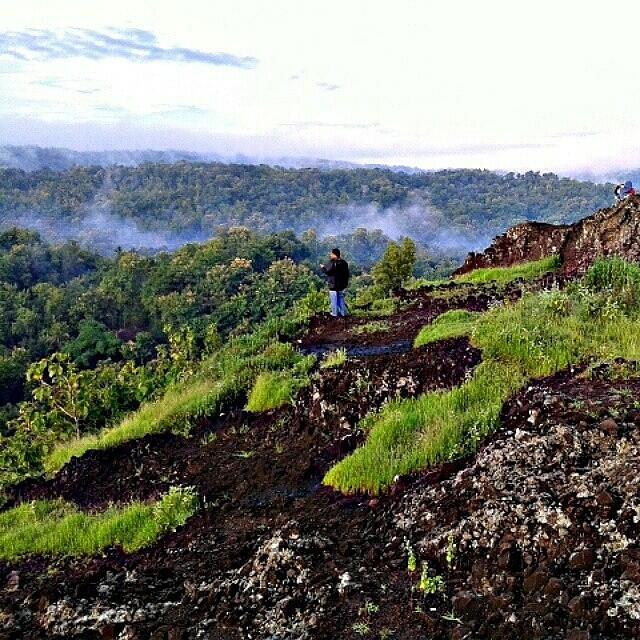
338, 306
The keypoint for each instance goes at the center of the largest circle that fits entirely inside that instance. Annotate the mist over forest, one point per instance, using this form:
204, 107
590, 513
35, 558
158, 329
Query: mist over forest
157, 206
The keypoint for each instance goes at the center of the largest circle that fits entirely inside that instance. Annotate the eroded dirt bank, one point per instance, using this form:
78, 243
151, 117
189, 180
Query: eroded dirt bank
541, 525
609, 232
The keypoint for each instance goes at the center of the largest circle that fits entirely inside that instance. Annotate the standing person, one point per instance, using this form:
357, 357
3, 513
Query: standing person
337, 272
618, 192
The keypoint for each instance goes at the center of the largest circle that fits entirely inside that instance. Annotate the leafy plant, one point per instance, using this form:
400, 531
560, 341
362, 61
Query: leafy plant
430, 584
361, 628
412, 561
369, 608
451, 551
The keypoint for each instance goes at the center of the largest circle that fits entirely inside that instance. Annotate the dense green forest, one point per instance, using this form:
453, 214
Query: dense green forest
168, 204
69, 300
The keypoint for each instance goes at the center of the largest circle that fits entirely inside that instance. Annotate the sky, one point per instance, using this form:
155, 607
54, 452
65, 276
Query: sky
543, 85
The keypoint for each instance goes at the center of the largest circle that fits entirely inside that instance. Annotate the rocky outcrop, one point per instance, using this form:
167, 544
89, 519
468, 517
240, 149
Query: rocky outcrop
523, 243
613, 231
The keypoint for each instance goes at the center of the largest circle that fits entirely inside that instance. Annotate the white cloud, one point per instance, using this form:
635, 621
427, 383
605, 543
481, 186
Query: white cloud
498, 84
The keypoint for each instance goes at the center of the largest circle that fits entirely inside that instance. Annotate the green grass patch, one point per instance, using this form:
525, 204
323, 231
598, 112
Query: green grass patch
54, 527
176, 411
271, 390
504, 275
375, 326
334, 359
420, 283
539, 335
451, 324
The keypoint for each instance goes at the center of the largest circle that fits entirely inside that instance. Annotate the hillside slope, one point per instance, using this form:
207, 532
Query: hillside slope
526, 529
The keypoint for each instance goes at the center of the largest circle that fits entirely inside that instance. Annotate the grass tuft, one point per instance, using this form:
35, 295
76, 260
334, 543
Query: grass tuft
334, 359
273, 389
270, 390
374, 326
54, 527
451, 324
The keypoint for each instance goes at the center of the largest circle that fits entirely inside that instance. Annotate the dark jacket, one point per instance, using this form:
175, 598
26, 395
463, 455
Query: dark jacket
337, 272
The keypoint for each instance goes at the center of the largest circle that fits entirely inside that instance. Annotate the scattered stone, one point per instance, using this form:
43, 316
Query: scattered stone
13, 581
609, 426
465, 604
537, 580
582, 560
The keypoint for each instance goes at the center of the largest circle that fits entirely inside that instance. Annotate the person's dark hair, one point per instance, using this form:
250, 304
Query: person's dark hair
336, 252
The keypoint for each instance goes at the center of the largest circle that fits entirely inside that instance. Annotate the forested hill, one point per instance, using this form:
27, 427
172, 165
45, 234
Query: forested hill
453, 210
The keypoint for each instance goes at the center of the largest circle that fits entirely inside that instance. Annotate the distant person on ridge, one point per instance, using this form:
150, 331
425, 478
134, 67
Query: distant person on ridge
628, 189
618, 192
337, 272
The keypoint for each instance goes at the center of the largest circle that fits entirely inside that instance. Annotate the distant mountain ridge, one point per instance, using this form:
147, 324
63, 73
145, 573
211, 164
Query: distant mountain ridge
164, 204
34, 158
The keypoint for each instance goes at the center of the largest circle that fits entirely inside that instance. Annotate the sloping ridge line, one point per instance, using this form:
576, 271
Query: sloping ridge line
611, 231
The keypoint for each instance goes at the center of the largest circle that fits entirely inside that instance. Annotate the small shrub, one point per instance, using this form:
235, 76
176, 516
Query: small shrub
384, 306
169, 512
451, 551
430, 584
396, 265
313, 303
412, 561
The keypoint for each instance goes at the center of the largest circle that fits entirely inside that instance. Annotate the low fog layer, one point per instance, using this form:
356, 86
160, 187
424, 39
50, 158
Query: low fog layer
103, 232
418, 220
100, 230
